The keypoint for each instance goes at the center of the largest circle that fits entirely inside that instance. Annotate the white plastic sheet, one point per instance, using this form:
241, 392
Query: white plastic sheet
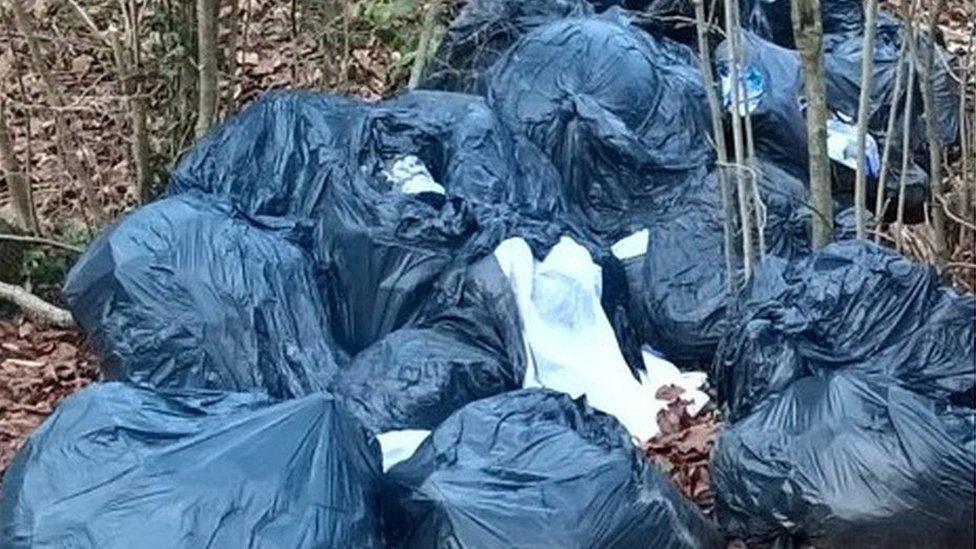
397, 446
570, 342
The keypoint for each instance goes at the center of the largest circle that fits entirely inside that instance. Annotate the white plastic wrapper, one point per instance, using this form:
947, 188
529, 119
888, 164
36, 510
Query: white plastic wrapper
571, 344
397, 446
842, 146
410, 175
631, 246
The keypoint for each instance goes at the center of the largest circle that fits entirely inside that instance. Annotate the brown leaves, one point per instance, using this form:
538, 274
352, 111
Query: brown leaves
81, 65
38, 368
684, 445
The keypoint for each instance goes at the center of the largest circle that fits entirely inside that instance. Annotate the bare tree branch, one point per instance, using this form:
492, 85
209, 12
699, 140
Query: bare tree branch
36, 308
56, 100
718, 133
20, 187
808, 34
863, 107
925, 65
879, 211
736, 82
906, 141
426, 36
40, 240
207, 46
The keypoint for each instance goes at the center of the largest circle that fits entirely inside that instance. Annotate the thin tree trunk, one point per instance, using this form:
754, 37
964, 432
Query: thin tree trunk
40, 240
72, 166
863, 113
808, 33
906, 145
36, 308
967, 196
20, 188
426, 36
925, 65
233, 40
28, 132
137, 112
207, 61
755, 199
137, 105
737, 145
718, 133
879, 201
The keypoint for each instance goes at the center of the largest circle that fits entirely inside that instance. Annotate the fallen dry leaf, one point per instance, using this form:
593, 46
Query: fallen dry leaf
38, 368
683, 446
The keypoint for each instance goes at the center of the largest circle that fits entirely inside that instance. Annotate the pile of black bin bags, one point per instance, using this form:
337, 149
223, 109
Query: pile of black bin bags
303, 287
321, 271
848, 378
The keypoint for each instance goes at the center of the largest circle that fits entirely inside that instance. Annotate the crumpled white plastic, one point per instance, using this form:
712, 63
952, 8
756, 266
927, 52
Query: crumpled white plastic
572, 346
409, 174
397, 446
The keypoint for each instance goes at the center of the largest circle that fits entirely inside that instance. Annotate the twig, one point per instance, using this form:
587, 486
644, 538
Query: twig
960, 265
925, 65
71, 164
737, 145
86, 18
718, 132
39, 310
889, 132
867, 81
951, 215
906, 138
137, 111
20, 187
40, 240
29, 145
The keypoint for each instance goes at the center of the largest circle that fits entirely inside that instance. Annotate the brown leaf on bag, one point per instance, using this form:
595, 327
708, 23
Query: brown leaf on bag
683, 446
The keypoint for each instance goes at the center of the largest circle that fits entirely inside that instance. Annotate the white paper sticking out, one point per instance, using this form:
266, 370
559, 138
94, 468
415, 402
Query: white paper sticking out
570, 342
410, 175
842, 146
631, 246
398, 446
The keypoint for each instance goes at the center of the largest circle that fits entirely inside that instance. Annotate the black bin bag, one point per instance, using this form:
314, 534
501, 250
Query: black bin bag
482, 32
772, 19
185, 292
842, 65
385, 251
278, 157
849, 460
851, 305
463, 350
122, 466
621, 115
534, 468
414, 378
773, 82
681, 283
842, 60
379, 245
